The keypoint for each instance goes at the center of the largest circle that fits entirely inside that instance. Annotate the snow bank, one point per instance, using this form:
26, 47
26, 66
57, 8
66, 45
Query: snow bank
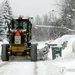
67, 52
59, 41
68, 57
62, 39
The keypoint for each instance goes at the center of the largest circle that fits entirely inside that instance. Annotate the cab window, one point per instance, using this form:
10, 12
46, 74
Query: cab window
25, 25
19, 24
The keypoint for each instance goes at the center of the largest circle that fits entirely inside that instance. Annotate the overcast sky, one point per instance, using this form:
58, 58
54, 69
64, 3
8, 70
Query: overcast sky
31, 7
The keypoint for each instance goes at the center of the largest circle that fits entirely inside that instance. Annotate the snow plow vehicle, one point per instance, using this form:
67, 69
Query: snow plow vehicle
20, 34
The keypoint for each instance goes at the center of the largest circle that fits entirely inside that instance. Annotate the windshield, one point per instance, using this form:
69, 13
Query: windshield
19, 24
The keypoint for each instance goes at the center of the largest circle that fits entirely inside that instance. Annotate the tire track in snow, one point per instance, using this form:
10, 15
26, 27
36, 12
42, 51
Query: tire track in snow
4, 68
3, 64
47, 68
22, 67
35, 68
52, 69
18, 66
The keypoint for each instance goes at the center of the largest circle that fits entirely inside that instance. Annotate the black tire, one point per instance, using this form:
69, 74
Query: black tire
33, 52
4, 55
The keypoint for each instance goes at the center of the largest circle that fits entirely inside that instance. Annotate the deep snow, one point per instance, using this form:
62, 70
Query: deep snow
68, 57
59, 41
62, 39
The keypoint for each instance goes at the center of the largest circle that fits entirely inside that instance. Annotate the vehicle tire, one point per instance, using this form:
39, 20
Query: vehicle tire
4, 55
73, 46
33, 52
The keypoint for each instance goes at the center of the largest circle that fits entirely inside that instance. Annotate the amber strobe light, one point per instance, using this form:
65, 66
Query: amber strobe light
17, 33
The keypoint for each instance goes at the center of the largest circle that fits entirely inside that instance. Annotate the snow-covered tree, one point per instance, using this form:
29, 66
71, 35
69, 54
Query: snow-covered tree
38, 20
68, 13
46, 19
5, 15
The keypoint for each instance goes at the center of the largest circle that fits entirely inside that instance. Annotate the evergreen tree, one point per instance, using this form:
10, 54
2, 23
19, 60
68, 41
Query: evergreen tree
5, 15
68, 13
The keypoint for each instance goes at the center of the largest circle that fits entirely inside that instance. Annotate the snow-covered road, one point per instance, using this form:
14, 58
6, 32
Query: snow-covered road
20, 66
29, 68
17, 68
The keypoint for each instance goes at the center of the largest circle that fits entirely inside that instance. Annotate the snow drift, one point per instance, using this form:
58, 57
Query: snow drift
68, 56
66, 52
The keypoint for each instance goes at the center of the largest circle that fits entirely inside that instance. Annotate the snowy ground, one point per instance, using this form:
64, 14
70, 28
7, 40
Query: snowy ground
29, 68
64, 65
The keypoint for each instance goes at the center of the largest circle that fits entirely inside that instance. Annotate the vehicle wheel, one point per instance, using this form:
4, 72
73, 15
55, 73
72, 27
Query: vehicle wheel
4, 55
33, 52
